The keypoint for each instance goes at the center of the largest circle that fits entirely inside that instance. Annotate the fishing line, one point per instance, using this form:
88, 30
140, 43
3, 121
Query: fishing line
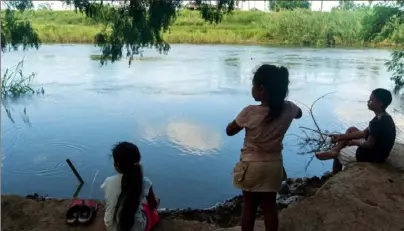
92, 185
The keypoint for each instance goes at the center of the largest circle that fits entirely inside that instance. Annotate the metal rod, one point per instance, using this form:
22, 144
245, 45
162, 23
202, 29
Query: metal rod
76, 193
75, 171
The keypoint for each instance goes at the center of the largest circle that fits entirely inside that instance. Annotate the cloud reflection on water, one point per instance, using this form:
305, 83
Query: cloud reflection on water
195, 139
192, 138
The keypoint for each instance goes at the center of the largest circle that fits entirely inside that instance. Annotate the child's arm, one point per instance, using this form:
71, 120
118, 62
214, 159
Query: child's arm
233, 128
369, 143
376, 131
351, 136
152, 200
239, 123
294, 110
299, 114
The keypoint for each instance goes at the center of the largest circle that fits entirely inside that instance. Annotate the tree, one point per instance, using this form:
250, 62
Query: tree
133, 25
45, 6
346, 5
375, 21
396, 64
289, 5
16, 32
385, 21
129, 25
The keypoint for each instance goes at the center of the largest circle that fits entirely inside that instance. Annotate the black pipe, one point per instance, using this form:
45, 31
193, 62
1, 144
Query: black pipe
76, 193
75, 171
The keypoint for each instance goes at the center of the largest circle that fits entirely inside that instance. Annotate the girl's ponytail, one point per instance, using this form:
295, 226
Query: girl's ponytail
127, 157
275, 81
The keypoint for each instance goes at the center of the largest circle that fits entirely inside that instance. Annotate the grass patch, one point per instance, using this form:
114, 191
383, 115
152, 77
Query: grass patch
15, 83
298, 27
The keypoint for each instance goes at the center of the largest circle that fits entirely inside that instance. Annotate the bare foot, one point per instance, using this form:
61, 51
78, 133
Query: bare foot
327, 155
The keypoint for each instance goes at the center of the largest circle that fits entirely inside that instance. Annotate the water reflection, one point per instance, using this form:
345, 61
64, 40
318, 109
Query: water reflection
176, 107
232, 70
189, 137
193, 138
11, 112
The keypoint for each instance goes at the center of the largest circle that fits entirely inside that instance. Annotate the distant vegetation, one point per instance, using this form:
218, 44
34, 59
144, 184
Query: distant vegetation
122, 30
298, 27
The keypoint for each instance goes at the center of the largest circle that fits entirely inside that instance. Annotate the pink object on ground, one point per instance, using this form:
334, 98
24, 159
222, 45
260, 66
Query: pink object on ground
151, 215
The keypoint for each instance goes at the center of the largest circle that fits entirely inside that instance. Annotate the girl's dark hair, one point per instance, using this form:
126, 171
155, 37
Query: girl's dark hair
275, 81
127, 157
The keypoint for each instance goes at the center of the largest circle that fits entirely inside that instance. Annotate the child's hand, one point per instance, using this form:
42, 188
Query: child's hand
335, 138
354, 143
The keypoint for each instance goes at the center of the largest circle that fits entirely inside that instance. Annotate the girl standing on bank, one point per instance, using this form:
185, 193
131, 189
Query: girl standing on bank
259, 173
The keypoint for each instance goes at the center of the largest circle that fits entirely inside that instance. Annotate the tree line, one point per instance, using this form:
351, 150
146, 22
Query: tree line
131, 25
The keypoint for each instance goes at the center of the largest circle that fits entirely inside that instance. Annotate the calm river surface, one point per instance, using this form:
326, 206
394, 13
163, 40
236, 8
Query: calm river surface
175, 108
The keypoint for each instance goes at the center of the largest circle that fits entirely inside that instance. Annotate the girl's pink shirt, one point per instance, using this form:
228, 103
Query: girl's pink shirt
263, 140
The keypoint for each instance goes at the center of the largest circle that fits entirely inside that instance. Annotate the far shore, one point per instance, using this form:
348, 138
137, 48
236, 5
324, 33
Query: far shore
253, 43
238, 28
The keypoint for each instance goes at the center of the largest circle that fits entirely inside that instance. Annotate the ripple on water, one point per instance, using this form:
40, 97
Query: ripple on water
45, 164
41, 166
76, 148
7, 131
8, 143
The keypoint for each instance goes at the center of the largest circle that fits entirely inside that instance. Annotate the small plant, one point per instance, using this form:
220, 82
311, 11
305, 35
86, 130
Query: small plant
15, 83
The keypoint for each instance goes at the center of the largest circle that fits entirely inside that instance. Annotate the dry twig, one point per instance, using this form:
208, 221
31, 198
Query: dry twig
314, 140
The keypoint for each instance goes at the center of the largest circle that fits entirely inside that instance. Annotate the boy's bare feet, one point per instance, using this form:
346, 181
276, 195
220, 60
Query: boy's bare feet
327, 155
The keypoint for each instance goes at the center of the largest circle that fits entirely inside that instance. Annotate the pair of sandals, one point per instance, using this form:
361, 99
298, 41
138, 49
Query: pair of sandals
81, 212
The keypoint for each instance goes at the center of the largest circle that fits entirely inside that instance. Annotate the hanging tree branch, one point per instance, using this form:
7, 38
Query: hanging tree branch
131, 25
15, 31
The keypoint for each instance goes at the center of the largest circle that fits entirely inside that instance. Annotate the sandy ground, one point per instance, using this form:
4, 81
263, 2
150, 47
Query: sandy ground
19, 214
363, 197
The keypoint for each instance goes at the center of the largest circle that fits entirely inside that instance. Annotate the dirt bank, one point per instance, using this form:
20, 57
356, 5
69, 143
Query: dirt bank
362, 197
37, 213
227, 213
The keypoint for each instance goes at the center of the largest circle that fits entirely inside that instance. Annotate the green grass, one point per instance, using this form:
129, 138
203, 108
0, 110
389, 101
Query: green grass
298, 27
15, 83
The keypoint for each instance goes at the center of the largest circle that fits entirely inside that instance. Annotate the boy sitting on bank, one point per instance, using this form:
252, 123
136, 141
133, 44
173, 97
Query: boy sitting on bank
373, 144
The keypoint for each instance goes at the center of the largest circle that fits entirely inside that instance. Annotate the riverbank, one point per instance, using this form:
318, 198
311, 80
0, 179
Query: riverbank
362, 197
298, 27
35, 212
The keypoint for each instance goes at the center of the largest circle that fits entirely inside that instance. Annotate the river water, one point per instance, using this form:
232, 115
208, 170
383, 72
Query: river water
175, 108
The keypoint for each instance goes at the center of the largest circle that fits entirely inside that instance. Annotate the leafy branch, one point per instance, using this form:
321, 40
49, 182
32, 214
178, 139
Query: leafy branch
396, 65
132, 25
